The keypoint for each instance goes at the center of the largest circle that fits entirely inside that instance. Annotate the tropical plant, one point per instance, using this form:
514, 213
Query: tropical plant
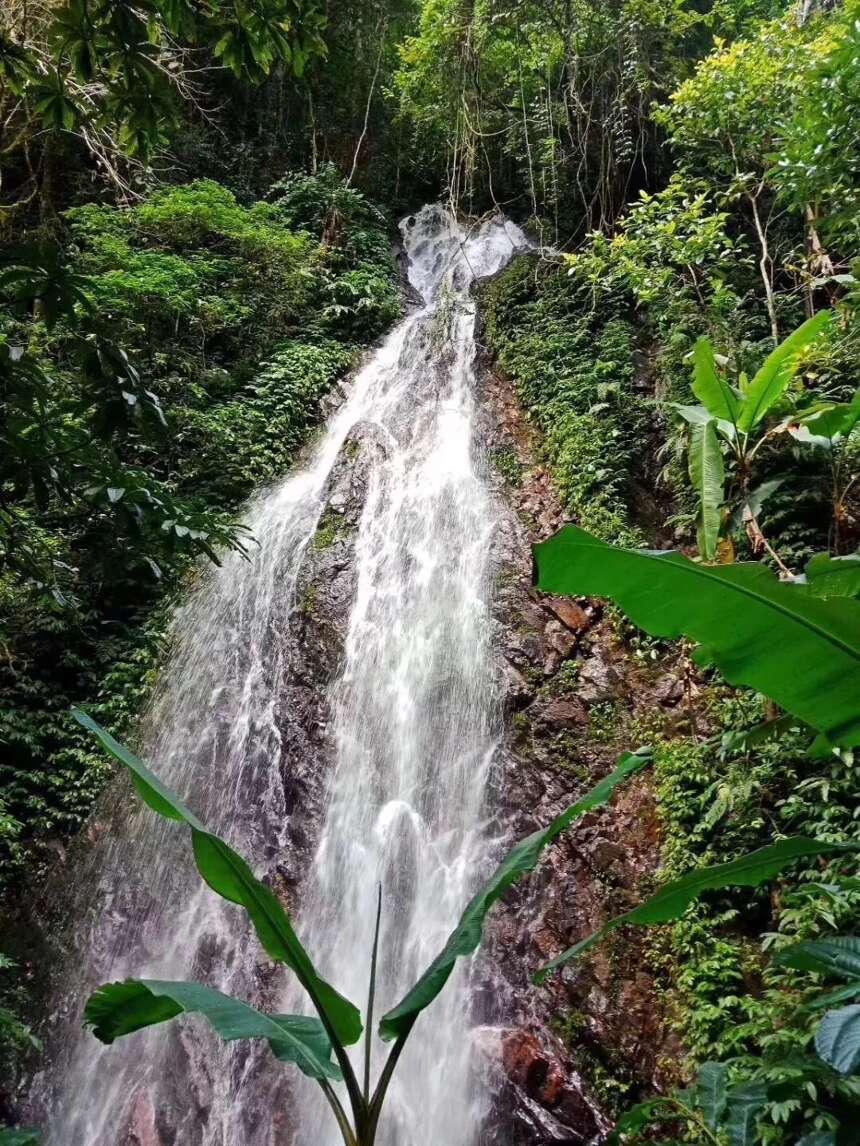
711, 1108
318, 1046
113, 77
732, 417
20, 1137
740, 615
828, 427
61, 447
743, 619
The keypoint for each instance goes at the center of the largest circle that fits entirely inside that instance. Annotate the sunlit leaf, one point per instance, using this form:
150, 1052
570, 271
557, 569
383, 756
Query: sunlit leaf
707, 474
801, 650
709, 384
778, 369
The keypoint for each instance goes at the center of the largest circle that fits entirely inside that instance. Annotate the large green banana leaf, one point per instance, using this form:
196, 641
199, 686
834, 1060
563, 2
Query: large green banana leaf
522, 858
229, 875
118, 1009
801, 650
770, 381
672, 900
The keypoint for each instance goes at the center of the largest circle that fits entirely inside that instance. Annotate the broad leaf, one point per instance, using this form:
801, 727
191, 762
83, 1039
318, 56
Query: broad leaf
672, 900
837, 995
752, 506
833, 576
818, 1138
229, 875
837, 1039
711, 1092
745, 1103
19, 1138
522, 858
838, 955
636, 1118
778, 369
118, 1009
741, 740
708, 476
781, 639
709, 385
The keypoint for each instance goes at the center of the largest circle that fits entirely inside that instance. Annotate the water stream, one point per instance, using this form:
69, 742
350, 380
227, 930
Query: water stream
414, 725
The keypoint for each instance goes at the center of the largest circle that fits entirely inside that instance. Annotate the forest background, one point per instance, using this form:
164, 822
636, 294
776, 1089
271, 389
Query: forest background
195, 251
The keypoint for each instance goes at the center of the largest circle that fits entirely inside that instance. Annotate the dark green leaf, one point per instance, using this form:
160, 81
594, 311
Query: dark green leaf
672, 900
755, 629
634, 1119
229, 875
837, 1039
742, 740
711, 1092
838, 955
19, 1138
745, 1103
522, 858
118, 1009
837, 995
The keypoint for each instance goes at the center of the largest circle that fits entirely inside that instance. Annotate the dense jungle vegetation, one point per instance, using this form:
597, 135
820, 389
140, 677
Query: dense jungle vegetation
197, 213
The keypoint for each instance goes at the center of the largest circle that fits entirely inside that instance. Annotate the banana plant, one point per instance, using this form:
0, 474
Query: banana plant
828, 427
730, 423
316, 1045
798, 644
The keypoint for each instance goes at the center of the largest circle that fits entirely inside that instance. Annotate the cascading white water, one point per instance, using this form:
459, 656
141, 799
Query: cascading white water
414, 726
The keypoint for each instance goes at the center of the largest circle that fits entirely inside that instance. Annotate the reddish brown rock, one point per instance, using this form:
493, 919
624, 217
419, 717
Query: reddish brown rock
567, 713
569, 613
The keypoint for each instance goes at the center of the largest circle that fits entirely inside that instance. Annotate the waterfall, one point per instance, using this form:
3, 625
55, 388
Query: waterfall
414, 723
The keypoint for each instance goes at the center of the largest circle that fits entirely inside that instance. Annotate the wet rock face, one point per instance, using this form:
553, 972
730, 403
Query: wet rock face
572, 692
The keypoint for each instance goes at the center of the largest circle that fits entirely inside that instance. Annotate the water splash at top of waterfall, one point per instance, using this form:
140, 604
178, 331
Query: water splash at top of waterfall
414, 724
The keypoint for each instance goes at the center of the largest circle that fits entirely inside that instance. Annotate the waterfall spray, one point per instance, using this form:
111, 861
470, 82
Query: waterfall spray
414, 726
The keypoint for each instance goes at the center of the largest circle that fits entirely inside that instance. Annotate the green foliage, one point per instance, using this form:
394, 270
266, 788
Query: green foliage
742, 617
116, 75
547, 105
732, 414
573, 371
16, 1037
730, 1003
726, 118
222, 308
120, 1008
711, 1111
229, 876
672, 899
819, 157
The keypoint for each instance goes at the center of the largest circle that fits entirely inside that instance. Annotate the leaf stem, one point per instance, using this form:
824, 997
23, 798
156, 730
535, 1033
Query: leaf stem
340, 1114
382, 1087
368, 1024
